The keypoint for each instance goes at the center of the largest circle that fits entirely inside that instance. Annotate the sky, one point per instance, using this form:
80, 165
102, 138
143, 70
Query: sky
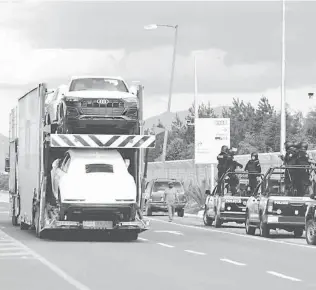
238, 44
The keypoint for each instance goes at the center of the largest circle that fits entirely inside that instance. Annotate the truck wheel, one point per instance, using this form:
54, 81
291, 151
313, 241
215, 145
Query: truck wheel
207, 221
217, 221
310, 232
24, 226
298, 233
264, 230
14, 220
181, 212
38, 232
148, 211
249, 230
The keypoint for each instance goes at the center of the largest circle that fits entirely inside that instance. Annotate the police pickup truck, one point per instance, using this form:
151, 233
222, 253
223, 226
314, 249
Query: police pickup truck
227, 202
277, 203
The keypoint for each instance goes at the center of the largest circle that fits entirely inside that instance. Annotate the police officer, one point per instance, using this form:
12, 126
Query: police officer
253, 166
233, 180
304, 184
289, 160
222, 159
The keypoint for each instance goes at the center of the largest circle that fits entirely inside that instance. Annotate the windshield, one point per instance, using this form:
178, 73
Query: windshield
162, 185
98, 84
237, 184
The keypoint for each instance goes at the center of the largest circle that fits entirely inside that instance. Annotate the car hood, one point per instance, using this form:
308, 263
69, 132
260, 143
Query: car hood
99, 94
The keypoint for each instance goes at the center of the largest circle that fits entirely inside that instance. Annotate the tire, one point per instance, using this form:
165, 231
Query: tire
264, 230
217, 221
181, 212
310, 233
298, 233
249, 230
148, 211
14, 220
38, 232
24, 226
207, 221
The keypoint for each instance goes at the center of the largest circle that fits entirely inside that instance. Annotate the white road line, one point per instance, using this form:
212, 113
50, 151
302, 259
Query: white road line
22, 253
165, 245
9, 249
142, 239
236, 234
284, 276
170, 232
194, 252
78, 285
232, 262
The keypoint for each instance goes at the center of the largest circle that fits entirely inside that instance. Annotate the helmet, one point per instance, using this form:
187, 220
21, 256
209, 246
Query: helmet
303, 145
254, 154
288, 144
224, 149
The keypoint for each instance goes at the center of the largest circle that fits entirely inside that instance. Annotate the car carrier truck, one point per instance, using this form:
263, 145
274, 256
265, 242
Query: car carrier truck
74, 181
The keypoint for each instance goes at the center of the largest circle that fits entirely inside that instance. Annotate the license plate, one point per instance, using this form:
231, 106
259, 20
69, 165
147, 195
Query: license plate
273, 219
98, 224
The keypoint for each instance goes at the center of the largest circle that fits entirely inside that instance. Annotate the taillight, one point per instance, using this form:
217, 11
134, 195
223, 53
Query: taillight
270, 206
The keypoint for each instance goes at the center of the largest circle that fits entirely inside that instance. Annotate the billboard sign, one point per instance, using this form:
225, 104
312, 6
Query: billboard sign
210, 135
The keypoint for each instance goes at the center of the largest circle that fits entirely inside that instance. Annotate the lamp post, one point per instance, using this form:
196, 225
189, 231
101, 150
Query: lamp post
175, 27
283, 110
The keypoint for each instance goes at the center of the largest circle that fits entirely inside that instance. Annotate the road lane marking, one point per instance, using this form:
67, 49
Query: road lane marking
211, 230
22, 253
9, 249
283, 276
165, 245
232, 262
70, 280
142, 239
170, 232
194, 252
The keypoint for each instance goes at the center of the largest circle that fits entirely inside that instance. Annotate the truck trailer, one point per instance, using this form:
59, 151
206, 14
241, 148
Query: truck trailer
64, 182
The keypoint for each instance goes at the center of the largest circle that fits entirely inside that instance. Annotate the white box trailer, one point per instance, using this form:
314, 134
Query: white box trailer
38, 148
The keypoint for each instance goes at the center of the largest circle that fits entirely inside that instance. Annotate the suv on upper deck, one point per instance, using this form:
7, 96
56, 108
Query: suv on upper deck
276, 206
227, 202
97, 105
154, 193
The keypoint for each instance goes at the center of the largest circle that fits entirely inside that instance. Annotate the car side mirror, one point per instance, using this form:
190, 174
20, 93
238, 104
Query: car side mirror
7, 165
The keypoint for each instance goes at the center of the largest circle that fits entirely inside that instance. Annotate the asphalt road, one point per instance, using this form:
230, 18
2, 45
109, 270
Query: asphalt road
179, 255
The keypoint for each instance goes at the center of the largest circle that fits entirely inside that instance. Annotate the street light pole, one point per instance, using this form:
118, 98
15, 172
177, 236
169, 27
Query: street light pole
283, 109
155, 26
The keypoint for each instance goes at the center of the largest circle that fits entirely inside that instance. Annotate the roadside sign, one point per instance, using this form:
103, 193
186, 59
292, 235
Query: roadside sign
210, 135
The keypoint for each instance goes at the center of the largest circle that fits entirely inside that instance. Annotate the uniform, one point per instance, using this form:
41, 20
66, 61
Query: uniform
233, 180
253, 166
222, 159
304, 184
290, 159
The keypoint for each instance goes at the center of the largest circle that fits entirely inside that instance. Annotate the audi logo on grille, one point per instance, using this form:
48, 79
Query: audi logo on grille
102, 101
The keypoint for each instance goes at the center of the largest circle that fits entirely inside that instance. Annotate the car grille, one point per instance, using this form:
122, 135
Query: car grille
113, 107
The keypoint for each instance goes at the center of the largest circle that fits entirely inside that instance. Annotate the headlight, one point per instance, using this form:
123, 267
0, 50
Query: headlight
270, 206
131, 100
223, 205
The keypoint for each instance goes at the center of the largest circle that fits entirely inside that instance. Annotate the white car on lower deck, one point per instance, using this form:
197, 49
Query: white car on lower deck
93, 185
